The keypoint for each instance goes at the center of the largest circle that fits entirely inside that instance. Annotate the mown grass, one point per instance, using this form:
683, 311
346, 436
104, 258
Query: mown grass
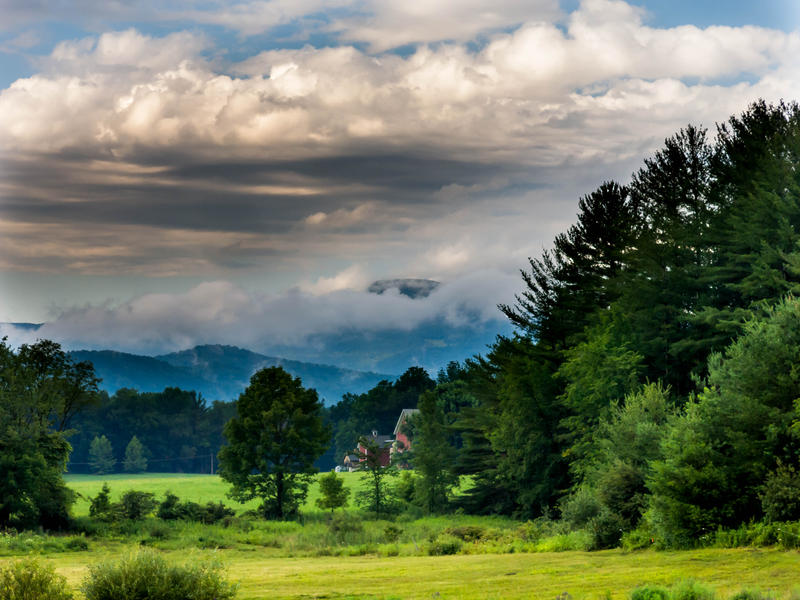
607, 574
366, 558
193, 487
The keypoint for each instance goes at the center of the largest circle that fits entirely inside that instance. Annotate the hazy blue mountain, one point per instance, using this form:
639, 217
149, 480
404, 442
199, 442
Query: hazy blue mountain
218, 372
430, 345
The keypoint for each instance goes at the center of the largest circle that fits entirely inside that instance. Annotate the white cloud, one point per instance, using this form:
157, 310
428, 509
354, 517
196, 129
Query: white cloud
221, 312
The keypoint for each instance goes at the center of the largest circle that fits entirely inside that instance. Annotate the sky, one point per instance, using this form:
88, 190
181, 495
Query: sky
173, 170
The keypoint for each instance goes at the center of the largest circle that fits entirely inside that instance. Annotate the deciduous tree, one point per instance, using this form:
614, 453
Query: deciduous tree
273, 442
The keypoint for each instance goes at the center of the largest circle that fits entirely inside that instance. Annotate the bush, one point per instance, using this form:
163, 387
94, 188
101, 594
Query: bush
172, 509
751, 594
100, 506
343, 523
780, 495
650, 592
392, 533
689, 589
444, 544
606, 529
30, 580
466, 533
136, 505
147, 575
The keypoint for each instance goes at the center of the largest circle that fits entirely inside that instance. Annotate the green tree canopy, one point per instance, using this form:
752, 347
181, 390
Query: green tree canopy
135, 459
333, 494
273, 442
41, 389
101, 456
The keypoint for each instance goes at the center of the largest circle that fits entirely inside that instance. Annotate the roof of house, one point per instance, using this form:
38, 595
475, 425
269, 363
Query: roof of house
404, 415
381, 440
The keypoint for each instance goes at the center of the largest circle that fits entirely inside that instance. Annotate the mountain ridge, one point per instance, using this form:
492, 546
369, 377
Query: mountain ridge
218, 372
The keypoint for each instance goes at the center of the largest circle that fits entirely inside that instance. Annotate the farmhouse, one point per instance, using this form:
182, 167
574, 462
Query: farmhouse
402, 440
390, 446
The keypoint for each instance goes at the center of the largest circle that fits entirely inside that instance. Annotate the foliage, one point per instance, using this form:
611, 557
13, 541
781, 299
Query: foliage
444, 544
135, 505
376, 409
101, 456
333, 494
135, 458
30, 580
274, 440
100, 506
718, 453
650, 592
691, 589
177, 427
41, 390
433, 456
780, 494
148, 575
378, 496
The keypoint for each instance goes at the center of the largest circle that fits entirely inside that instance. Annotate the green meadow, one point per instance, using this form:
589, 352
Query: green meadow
379, 559
197, 488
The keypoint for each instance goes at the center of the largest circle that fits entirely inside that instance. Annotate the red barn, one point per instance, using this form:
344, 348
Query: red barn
402, 441
384, 444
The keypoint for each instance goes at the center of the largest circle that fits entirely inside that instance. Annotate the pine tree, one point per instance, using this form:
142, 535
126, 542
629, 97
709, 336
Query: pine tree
433, 455
135, 460
101, 456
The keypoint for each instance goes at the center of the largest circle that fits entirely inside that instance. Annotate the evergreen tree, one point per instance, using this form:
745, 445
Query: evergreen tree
434, 457
718, 454
101, 456
135, 459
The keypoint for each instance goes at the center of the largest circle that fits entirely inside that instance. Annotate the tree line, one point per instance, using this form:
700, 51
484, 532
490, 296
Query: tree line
651, 385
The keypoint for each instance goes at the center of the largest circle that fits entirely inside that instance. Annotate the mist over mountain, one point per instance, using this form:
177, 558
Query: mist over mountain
217, 372
411, 288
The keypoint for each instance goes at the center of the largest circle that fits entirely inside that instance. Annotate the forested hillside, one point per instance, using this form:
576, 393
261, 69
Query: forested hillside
653, 376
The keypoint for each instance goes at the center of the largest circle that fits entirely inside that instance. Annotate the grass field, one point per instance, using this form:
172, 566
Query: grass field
292, 560
596, 575
197, 488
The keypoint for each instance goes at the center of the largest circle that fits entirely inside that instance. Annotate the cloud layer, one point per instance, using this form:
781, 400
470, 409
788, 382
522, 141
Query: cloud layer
137, 154
223, 313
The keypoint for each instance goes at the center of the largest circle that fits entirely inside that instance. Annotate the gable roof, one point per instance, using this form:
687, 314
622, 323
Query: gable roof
404, 415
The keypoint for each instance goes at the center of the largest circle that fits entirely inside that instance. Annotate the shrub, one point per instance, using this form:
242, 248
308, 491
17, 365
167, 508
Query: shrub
100, 506
213, 512
30, 580
343, 523
76, 544
392, 533
606, 529
467, 533
444, 544
650, 592
638, 539
689, 589
136, 505
147, 575
780, 495
751, 594
170, 508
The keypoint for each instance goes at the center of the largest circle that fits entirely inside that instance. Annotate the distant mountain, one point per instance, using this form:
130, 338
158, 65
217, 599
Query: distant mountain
431, 345
218, 372
413, 288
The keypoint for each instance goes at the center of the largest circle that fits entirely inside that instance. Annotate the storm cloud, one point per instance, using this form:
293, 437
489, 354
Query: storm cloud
134, 154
